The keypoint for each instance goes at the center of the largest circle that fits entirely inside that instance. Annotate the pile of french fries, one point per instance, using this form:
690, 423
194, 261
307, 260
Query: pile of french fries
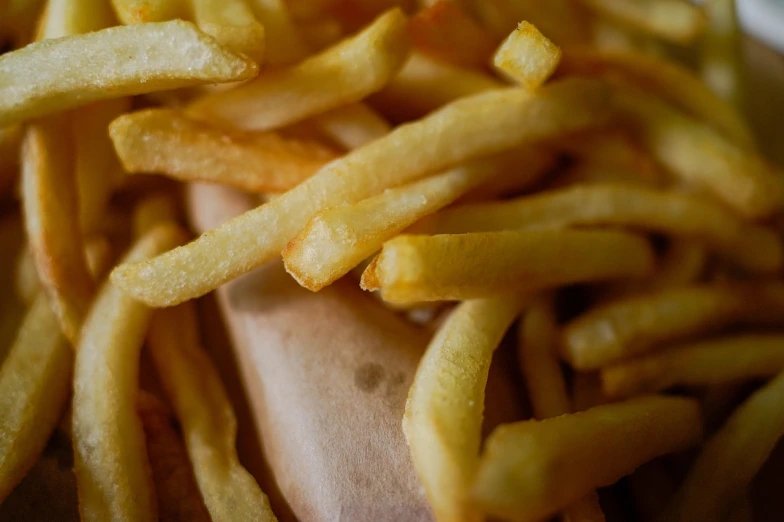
480, 160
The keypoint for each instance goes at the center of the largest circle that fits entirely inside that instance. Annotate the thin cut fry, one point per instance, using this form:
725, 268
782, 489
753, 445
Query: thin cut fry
701, 363
702, 157
532, 469
51, 218
635, 325
111, 464
672, 20
58, 74
283, 45
731, 458
443, 417
425, 268
342, 74
163, 141
481, 125
679, 214
666, 78
424, 85
527, 56
446, 32
547, 388
337, 239
208, 423
143, 11
232, 24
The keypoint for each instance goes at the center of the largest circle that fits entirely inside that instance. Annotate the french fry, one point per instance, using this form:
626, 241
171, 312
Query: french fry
678, 214
443, 417
111, 464
702, 157
318, 34
69, 17
671, 20
27, 284
178, 496
232, 24
352, 126
342, 74
208, 423
424, 85
532, 469
337, 239
424, 268
546, 386
446, 32
58, 74
721, 56
636, 325
10, 139
153, 211
539, 161
669, 80
166, 142
527, 56
483, 124
51, 219
701, 363
731, 457
283, 45
19, 20
144, 11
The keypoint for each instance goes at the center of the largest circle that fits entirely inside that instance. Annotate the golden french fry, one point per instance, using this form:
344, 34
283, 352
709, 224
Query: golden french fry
209, 426
144, 11
10, 140
70, 17
700, 156
484, 124
339, 238
178, 496
527, 56
532, 469
111, 464
318, 34
58, 74
721, 56
98, 170
425, 268
283, 46
51, 215
352, 126
730, 459
539, 161
446, 32
423, 85
546, 386
232, 24
701, 363
665, 78
152, 211
679, 214
671, 20
342, 74
443, 417
635, 325
166, 142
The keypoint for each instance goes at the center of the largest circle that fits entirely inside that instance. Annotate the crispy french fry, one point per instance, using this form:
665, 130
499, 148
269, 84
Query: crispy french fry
665, 78
679, 214
423, 85
635, 325
342, 74
166, 142
352, 126
59, 74
337, 239
443, 417
446, 32
527, 56
546, 387
144, 11
425, 268
701, 363
203, 409
111, 464
232, 24
52, 221
672, 20
178, 496
283, 45
532, 469
730, 459
481, 125
10, 140
700, 156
